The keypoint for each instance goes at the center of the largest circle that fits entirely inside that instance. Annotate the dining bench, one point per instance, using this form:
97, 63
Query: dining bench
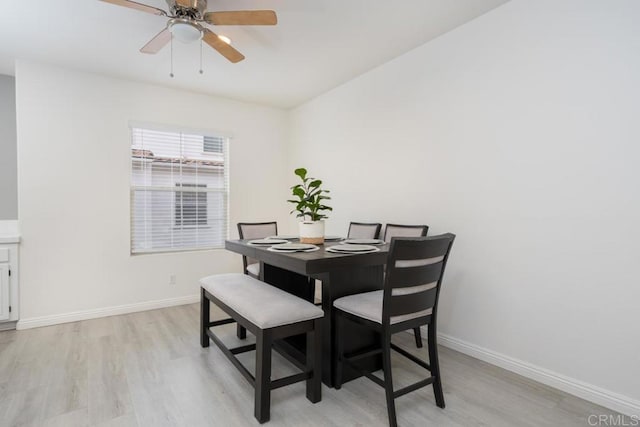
270, 314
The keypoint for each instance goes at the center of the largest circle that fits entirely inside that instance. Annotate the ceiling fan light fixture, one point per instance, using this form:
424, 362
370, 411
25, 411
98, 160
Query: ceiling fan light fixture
225, 39
185, 31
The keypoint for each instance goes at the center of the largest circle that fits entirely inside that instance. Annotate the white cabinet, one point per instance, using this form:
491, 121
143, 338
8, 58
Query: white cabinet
9, 312
5, 303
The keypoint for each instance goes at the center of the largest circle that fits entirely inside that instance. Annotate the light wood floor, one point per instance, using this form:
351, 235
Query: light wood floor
147, 369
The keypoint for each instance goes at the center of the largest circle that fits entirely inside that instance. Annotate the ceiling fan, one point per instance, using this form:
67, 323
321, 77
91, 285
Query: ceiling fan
187, 19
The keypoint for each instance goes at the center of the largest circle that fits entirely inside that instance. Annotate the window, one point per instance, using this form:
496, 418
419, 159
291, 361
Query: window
179, 190
191, 206
213, 144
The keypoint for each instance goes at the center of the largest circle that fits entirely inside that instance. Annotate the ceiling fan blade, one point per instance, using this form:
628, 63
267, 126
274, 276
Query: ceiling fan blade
137, 6
223, 48
158, 42
242, 17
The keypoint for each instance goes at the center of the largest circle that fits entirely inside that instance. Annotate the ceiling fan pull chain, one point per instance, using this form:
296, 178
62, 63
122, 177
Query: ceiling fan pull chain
171, 73
201, 72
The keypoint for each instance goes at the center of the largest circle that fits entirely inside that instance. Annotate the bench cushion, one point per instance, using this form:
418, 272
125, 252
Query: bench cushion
261, 304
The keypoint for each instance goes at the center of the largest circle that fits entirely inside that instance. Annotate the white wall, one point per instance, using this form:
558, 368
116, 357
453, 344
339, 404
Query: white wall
74, 163
518, 132
8, 173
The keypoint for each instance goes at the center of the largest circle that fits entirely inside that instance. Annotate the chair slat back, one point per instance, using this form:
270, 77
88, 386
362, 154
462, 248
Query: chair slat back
401, 230
364, 230
415, 268
256, 230
403, 305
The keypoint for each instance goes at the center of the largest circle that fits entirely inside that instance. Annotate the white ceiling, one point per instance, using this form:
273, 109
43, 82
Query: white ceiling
317, 44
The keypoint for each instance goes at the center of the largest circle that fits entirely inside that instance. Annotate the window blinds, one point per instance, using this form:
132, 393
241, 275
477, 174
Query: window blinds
179, 191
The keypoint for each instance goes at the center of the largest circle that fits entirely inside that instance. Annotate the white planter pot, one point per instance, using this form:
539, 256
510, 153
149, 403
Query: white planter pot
312, 232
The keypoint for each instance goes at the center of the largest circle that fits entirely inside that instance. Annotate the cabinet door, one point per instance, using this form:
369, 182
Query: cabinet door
4, 291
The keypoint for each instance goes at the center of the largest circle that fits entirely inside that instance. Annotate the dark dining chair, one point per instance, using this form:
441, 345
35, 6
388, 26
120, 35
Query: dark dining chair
357, 230
255, 230
415, 268
364, 230
251, 267
401, 230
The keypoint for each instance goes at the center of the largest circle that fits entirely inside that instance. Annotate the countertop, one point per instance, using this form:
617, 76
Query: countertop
9, 238
9, 231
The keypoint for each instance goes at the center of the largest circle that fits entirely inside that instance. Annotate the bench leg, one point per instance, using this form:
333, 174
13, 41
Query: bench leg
205, 308
314, 362
263, 376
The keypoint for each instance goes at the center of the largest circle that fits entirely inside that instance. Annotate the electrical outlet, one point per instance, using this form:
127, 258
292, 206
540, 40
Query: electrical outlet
172, 279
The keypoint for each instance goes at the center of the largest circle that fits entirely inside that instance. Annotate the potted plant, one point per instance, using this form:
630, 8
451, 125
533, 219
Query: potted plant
309, 206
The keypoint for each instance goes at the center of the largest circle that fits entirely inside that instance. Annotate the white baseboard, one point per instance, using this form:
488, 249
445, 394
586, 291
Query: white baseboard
8, 326
36, 322
614, 401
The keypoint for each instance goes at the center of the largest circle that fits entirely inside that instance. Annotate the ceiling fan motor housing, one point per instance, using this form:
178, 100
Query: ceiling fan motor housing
189, 9
184, 25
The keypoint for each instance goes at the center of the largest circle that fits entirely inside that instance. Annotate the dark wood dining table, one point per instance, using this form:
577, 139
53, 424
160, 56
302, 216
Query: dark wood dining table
341, 275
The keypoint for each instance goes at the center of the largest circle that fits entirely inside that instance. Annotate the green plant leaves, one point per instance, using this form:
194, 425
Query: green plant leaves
310, 197
299, 191
301, 172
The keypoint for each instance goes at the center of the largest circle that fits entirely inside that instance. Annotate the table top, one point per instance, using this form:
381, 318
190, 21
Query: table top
307, 263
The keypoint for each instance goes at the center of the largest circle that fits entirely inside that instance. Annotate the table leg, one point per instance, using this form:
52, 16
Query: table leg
336, 285
288, 281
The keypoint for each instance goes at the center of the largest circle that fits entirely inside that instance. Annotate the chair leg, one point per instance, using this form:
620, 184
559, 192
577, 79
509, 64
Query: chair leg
314, 362
338, 345
205, 310
418, 336
263, 377
435, 366
388, 378
241, 331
